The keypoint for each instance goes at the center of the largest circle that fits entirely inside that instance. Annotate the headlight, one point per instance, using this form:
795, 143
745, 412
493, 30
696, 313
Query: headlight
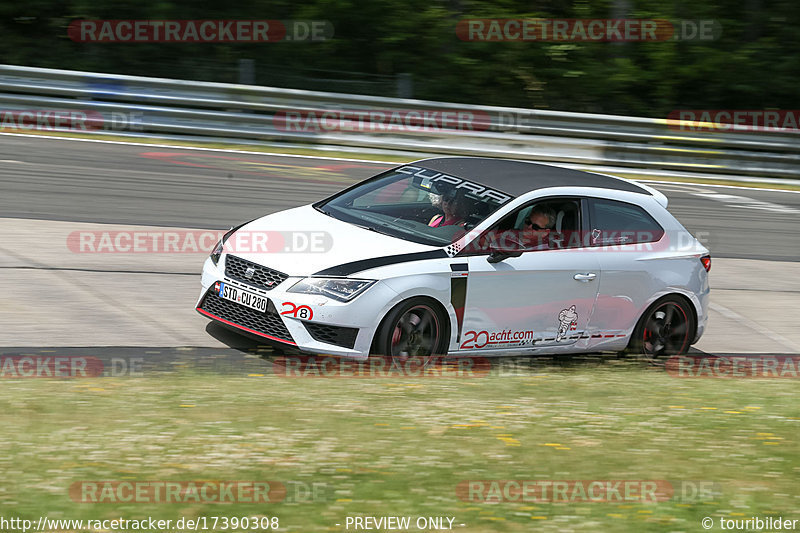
217, 251
339, 289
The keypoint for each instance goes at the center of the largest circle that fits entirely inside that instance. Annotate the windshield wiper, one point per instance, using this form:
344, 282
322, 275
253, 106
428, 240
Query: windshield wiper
370, 228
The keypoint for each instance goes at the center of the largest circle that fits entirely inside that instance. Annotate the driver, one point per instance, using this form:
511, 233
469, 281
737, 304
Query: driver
454, 207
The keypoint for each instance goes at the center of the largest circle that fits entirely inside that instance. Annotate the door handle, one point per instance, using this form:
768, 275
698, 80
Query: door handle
589, 276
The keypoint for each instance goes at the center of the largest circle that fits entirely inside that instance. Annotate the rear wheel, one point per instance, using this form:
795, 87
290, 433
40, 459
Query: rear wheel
414, 329
665, 329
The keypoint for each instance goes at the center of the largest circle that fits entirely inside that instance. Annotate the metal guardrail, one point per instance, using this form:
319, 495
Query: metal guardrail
199, 109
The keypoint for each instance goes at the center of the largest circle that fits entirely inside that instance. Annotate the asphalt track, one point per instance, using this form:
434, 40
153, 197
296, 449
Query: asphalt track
65, 180
56, 298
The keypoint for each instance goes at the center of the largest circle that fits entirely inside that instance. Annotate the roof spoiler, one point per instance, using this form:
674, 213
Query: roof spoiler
658, 195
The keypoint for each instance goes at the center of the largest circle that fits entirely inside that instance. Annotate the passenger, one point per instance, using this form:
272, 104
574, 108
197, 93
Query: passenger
536, 228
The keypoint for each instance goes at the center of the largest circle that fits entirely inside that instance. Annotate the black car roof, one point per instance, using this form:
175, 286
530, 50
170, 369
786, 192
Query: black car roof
520, 177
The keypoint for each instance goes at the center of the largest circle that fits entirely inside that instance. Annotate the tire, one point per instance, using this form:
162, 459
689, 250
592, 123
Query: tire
417, 327
667, 328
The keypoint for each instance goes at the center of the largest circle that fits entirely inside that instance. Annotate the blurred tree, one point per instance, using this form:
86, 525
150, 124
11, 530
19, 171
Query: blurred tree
753, 64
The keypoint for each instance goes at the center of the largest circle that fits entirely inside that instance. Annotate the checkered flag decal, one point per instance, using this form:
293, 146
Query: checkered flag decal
453, 249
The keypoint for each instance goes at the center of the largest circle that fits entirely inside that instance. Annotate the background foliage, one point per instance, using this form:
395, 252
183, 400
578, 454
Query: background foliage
754, 65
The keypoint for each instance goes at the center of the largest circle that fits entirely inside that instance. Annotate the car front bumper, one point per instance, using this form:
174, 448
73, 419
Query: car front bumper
313, 323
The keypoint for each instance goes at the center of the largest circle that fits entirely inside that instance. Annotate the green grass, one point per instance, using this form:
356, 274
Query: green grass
400, 447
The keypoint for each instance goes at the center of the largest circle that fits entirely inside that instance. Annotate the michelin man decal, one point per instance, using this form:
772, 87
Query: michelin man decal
567, 320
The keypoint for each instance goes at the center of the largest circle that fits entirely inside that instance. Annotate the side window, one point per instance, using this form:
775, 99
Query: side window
615, 223
545, 224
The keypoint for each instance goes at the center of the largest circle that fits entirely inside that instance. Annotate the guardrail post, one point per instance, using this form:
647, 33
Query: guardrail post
247, 72
405, 85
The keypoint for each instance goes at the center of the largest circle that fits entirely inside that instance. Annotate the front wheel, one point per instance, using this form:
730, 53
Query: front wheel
665, 329
415, 328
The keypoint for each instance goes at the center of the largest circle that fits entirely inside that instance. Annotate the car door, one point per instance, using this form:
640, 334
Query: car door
542, 298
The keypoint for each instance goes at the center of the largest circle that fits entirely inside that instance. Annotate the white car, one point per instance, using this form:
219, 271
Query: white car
467, 256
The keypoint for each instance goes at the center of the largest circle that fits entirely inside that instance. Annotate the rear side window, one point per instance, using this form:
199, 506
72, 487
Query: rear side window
616, 222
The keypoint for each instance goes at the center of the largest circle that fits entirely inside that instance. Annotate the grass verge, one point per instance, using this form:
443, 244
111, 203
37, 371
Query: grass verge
389, 447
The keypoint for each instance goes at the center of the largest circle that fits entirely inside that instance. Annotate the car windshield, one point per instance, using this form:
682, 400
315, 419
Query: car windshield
416, 204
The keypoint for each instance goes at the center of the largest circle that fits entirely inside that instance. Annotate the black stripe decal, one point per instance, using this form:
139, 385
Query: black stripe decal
458, 298
347, 269
459, 267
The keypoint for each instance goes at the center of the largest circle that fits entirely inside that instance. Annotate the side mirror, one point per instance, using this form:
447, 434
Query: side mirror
499, 253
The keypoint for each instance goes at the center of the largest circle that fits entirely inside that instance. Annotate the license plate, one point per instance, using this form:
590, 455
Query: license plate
248, 299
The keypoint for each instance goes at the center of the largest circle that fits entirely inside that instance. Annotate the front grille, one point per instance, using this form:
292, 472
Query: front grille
268, 323
263, 277
338, 335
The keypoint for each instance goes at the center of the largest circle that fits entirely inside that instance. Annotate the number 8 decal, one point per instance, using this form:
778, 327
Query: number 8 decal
298, 311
